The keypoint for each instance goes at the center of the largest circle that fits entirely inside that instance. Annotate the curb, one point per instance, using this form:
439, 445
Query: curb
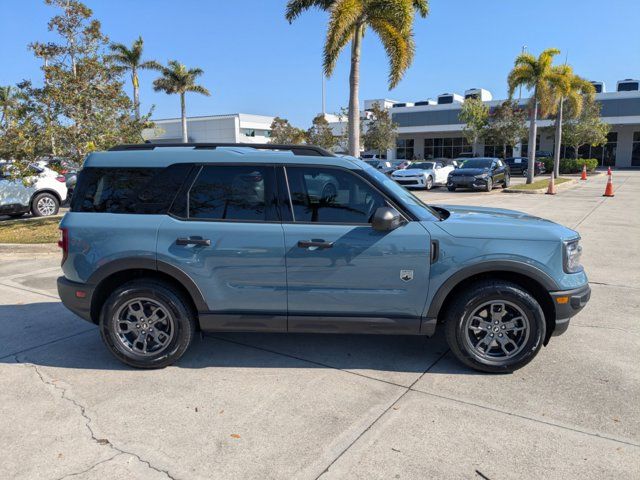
543, 190
29, 248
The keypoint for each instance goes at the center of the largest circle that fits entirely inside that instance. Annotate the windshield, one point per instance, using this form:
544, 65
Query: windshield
422, 165
408, 199
477, 163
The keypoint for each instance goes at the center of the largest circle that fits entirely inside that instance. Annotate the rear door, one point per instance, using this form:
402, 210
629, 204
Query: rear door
344, 276
226, 235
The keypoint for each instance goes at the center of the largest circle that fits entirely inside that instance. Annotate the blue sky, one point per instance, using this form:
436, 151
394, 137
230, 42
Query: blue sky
255, 62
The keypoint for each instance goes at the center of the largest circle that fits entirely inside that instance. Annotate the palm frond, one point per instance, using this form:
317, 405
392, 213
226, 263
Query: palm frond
400, 48
422, 7
296, 7
198, 89
346, 15
523, 74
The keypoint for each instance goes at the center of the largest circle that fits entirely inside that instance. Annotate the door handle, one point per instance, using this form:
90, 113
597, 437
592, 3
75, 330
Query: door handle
314, 243
193, 241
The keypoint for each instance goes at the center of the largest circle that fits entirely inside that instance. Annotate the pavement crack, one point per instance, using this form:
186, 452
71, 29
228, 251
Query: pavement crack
86, 470
105, 442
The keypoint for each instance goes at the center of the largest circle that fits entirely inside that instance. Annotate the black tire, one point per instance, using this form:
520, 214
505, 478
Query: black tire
44, 205
429, 183
524, 172
507, 181
180, 315
489, 186
460, 333
451, 188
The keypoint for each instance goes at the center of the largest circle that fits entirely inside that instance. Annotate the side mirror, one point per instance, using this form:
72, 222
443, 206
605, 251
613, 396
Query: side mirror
386, 219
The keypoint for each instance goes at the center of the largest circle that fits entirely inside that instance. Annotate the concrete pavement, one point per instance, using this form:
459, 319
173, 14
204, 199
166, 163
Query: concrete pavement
329, 406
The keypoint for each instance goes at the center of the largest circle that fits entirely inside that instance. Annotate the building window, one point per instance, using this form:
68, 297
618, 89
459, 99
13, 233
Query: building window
524, 151
498, 151
254, 132
635, 152
449, 147
605, 154
404, 149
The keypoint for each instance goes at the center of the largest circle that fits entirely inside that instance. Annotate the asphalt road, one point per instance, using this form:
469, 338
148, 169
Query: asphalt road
273, 406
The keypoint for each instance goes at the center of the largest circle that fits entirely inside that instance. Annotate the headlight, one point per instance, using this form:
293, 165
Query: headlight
484, 175
572, 254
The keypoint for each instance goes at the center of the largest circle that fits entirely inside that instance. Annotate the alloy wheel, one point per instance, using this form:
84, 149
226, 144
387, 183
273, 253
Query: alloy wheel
497, 330
46, 206
144, 327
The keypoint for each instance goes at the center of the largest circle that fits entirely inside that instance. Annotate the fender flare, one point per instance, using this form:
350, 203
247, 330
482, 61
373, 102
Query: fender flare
132, 263
510, 266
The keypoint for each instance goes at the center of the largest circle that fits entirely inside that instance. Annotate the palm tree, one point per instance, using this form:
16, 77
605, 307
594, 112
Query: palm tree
533, 73
130, 59
176, 78
569, 91
392, 22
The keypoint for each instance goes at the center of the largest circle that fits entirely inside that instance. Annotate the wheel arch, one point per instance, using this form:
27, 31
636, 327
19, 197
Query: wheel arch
115, 273
532, 279
45, 190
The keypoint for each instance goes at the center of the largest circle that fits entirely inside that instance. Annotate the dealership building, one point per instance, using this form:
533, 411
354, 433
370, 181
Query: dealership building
431, 128
232, 128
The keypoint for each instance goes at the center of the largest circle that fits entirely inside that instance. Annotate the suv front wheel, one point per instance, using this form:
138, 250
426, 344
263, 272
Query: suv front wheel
147, 324
495, 326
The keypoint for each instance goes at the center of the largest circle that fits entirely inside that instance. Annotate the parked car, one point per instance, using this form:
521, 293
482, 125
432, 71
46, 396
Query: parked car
520, 166
41, 193
423, 175
479, 173
161, 243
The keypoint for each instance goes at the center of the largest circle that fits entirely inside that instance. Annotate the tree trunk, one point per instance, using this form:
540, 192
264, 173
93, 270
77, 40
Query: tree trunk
532, 138
136, 93
354, 103
183, 112
556, 153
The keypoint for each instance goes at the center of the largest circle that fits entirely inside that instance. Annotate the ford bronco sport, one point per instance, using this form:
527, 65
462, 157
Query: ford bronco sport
165, 240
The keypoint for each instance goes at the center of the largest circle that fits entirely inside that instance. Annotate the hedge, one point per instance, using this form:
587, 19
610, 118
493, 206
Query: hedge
571, 165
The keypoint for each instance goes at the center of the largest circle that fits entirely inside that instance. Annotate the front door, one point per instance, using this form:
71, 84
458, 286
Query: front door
231, 244
343, 276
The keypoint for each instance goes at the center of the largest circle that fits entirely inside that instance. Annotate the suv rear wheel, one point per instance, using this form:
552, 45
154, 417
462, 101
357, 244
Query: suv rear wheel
146, 324
44, 205
495, 326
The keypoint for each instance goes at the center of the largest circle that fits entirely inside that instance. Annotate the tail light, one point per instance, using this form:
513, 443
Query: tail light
63, 243
61, 178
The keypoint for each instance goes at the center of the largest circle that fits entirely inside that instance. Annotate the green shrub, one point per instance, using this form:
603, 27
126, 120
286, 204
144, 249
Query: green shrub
571, 165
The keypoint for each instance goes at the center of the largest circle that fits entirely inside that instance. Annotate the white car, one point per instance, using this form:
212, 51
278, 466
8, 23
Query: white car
42, 195
423, 174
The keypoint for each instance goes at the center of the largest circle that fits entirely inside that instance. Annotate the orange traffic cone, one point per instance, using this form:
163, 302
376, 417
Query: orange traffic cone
551, 190
584, 172
608, 191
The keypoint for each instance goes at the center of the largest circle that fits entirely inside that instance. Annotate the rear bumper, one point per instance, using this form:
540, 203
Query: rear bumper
71, 294
567, 304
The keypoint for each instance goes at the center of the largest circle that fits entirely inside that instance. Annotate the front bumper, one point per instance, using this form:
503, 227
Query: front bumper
567, 304
76, 297
467, 182
410, 181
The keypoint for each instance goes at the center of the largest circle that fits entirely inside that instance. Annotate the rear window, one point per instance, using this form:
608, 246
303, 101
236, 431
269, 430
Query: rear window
128, 190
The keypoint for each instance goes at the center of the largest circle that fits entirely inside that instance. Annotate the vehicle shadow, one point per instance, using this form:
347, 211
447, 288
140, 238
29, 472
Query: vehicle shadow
79, 346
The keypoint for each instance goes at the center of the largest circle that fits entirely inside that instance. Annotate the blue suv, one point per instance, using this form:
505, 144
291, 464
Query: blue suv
162, 241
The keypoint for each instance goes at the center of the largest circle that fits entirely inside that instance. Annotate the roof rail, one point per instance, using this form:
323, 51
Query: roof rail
308, 150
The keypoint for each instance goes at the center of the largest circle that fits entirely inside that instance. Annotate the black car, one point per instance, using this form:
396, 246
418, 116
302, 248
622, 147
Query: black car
520, 165
479, 173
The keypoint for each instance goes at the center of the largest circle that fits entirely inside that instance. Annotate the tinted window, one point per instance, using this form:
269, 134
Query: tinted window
233, 193
477, 163
128, 190
331, 195
423, 165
